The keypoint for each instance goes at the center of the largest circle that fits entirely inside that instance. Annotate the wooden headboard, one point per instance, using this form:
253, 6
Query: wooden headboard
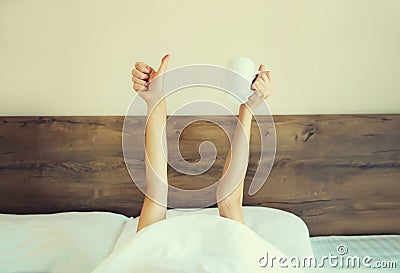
339, 173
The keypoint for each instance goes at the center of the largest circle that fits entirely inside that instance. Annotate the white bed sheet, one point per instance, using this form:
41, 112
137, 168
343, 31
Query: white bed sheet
78, 241
61, 242
193, 244
283, 229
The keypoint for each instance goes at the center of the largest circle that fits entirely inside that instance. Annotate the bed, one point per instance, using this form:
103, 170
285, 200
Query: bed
67, 200
79, 241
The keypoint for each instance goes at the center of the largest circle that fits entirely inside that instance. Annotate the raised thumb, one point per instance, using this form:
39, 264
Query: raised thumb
163, 65
261, 68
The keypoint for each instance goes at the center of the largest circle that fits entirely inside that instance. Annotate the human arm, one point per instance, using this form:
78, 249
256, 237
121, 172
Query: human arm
230, 188
155, 201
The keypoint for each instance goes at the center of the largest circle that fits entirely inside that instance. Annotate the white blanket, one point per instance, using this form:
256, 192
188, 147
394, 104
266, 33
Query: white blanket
78, 241
192, 244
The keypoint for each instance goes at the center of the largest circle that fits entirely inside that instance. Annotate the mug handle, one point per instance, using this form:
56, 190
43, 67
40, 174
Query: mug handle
255, 77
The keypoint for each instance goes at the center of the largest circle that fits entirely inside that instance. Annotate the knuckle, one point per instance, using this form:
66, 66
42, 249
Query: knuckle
142, 68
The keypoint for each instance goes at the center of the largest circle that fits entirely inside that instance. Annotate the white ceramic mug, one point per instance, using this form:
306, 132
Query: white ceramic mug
247, 69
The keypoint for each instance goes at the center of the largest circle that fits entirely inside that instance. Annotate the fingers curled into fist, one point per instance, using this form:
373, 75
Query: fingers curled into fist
140, 76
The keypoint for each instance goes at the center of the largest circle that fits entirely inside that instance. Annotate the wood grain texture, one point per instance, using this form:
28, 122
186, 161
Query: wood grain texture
339, 173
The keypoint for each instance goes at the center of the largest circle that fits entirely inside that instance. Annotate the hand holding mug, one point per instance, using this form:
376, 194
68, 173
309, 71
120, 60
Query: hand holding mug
262, 88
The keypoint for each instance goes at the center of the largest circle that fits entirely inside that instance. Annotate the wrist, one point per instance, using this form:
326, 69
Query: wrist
254, 101
152, 103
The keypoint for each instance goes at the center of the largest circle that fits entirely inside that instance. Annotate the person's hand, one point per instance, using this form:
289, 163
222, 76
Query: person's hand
142, 79
261, 87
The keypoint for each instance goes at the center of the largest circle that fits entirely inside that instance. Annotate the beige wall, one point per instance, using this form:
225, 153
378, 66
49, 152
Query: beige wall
74, 57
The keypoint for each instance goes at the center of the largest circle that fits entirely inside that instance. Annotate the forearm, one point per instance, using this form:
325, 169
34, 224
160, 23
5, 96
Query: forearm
154, 205
230, 190
155, 145
241, 137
